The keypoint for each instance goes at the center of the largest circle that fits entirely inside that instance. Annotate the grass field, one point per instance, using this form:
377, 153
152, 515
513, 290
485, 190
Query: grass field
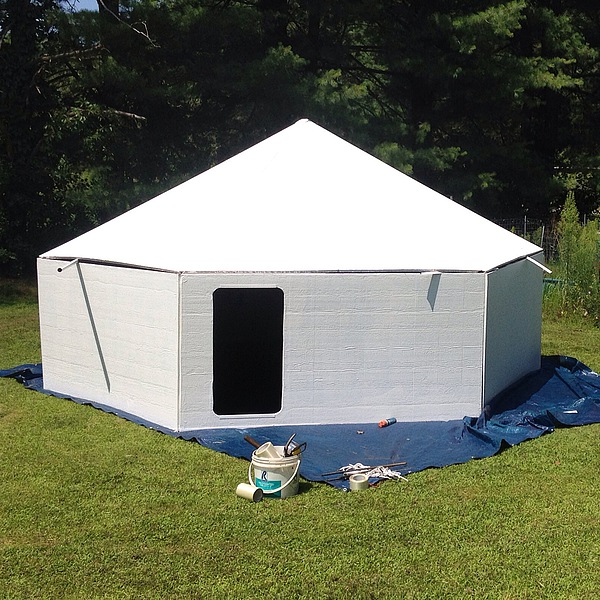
92, 506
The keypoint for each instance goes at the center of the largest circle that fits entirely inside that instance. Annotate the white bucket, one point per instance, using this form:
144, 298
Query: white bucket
276, 477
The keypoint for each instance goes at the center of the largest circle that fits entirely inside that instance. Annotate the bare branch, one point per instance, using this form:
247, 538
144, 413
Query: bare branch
144, 34
129, 115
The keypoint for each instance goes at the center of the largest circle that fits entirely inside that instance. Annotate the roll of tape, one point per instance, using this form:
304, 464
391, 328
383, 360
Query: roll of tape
359, 482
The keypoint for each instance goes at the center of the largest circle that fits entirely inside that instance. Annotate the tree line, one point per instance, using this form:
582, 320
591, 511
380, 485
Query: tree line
493, 103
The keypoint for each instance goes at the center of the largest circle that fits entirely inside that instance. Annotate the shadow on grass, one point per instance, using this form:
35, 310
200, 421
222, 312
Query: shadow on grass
18, 291
305, 486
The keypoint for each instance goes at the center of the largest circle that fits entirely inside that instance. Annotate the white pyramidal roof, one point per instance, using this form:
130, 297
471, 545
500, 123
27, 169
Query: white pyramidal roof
301, 200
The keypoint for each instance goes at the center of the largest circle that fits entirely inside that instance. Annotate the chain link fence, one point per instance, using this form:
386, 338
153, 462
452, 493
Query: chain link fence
536, 231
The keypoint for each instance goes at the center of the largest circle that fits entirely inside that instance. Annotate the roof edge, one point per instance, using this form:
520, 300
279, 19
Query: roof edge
422, 271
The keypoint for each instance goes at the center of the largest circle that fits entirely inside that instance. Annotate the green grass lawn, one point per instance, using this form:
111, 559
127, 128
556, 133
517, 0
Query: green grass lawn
92, 506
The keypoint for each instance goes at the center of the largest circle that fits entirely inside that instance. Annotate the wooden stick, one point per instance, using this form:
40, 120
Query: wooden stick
252, 441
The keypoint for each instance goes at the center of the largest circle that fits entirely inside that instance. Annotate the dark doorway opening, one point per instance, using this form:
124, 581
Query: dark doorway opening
247, 350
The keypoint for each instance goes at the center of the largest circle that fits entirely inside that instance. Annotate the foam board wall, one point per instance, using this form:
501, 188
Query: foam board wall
357, 347
131, 364
513, 324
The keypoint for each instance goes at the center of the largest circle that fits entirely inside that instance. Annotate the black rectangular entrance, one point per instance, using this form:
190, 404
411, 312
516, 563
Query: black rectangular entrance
247, 350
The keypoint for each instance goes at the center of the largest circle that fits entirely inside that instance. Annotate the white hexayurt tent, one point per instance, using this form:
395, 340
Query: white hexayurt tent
302, 281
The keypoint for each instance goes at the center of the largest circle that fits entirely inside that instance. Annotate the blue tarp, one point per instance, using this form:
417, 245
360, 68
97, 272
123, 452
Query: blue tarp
563, 393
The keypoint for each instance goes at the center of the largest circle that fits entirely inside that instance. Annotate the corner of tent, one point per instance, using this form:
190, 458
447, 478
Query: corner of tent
110, 335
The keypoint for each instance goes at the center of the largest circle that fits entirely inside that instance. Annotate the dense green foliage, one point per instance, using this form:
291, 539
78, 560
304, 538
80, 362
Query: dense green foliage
92, 506
493, 102
575, 287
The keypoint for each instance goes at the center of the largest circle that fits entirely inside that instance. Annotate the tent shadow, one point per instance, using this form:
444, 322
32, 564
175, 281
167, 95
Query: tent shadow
523, 390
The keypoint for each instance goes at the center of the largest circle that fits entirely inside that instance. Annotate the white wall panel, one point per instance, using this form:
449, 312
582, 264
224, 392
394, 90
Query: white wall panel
132, 362
357, 347
513, 324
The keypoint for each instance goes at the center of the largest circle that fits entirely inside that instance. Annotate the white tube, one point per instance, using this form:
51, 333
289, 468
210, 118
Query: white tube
538, 264
73, 262
250, 492
266, 451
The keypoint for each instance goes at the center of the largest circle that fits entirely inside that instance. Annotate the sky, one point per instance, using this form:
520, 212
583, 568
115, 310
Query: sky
85, 4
